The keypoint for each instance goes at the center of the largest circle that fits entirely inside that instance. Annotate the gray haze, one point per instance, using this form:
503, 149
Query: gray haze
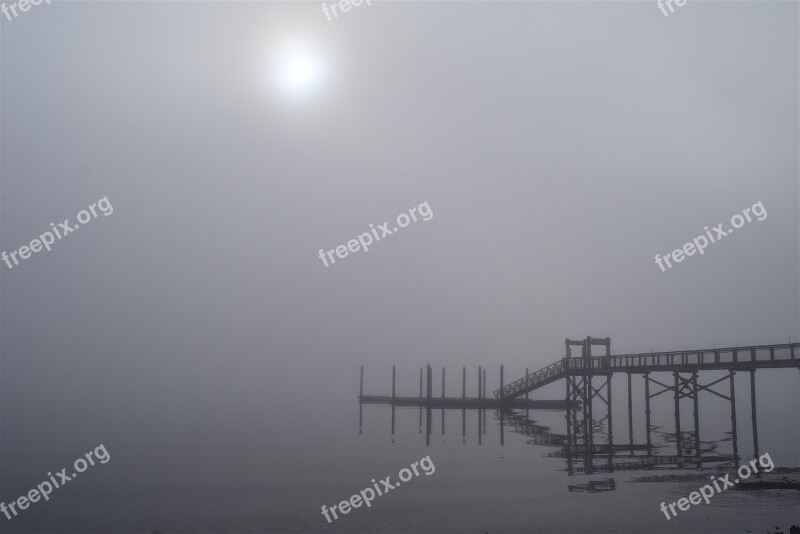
560, 146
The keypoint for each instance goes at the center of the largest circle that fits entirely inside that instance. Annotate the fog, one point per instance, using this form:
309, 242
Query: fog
560, 147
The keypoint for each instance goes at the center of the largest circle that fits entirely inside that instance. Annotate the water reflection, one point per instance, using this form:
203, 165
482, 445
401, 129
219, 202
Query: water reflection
593, 452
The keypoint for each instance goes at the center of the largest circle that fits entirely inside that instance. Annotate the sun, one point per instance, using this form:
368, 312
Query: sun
299, 70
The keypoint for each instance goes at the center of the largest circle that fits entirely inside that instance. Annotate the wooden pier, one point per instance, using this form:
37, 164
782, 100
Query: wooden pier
474, 403
481, 402
579, 373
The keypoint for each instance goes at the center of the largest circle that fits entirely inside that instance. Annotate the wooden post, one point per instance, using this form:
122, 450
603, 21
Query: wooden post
589, 397
480, 374
420, 400
430, 390
647, 409
753, 411
484, 395
567, 355
527, 410
501, 381
610, 417
696, 414
567, 379
393, 374
609, 376
677, 414
463, 406
443, 401
733, 416
630, 414
361, 401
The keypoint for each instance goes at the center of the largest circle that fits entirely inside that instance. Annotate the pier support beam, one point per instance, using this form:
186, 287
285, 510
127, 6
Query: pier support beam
429, 393
420, 398
696, 415
463, 410
443, 398
630, 414
733, 416
753, 411
568, 381
360, 404
647, 411
677, 413
607, 364
589, 394
484, 394
610, 417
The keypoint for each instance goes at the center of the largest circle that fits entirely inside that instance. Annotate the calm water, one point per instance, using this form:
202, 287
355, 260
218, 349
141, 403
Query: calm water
213, 476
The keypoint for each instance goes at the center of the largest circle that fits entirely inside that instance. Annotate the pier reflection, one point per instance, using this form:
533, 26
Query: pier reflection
581, 456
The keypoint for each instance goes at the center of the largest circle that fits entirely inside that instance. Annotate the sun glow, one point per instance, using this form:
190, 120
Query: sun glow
298, 70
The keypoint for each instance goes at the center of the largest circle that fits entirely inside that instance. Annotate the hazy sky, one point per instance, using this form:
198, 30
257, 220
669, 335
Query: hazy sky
560, 146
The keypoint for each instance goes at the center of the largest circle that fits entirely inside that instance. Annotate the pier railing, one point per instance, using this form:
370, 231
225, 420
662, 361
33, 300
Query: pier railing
728, 358
551, 373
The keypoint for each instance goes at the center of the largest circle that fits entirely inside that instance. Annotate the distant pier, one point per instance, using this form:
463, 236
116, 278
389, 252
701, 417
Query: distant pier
580, 374
467, 402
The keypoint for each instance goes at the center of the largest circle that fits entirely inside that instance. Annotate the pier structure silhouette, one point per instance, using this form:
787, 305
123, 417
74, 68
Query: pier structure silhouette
587, 379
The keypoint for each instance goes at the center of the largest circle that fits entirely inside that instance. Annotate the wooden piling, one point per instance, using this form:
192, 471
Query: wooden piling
610, 417
443, 398
696, 415
420, 396
607, 363
630, 414
753, 411
484, 395
677, 413
731, 374
647, 410
501, 381
527, 410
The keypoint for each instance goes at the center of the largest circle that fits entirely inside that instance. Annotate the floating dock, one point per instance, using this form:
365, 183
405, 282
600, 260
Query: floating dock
466, 402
